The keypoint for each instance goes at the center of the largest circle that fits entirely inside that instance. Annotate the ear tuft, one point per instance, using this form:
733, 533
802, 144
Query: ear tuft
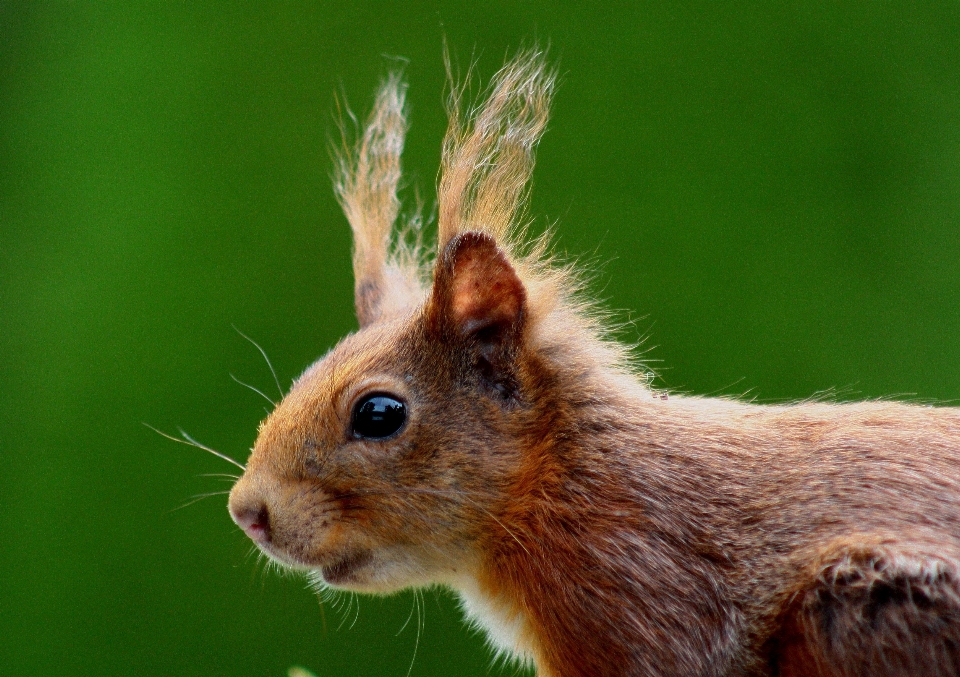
477, 290
386, 265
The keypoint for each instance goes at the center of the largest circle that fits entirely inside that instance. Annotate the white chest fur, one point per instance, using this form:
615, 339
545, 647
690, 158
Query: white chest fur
503, 623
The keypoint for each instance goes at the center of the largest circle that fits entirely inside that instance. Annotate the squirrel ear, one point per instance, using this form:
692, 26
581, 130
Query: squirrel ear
477, 294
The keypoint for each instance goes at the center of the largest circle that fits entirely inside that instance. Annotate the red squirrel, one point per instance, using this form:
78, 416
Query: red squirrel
482, 431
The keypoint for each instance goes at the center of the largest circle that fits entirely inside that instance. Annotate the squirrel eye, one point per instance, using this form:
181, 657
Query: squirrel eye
378, 416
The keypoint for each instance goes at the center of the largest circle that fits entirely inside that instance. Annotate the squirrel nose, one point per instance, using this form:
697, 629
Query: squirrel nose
254, 520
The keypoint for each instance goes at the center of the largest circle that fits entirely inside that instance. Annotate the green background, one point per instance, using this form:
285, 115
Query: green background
773, 189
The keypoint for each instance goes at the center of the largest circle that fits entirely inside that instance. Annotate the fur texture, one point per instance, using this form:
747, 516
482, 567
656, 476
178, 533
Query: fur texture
591, 525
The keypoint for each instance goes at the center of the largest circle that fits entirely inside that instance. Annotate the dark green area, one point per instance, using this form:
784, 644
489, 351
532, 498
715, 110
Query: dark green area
773, 189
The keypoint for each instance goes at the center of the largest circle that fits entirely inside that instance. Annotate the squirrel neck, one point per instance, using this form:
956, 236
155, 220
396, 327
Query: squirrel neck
647, 535
598, 563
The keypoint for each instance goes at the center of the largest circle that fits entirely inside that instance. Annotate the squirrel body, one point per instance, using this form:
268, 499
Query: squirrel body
481, 431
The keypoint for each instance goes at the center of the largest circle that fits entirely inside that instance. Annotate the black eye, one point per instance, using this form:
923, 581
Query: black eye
378, 416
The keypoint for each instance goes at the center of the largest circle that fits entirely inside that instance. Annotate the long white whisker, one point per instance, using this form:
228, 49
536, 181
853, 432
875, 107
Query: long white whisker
198, 445
346, 612
262, 352
220, 474
189, 441
356, 616
409, 616
418, 603
256, 390
200, 497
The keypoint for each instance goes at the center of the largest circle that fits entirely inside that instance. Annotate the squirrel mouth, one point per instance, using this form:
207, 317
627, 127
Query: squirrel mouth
342, 570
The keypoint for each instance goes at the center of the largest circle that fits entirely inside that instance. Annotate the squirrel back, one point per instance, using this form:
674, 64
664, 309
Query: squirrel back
481, 430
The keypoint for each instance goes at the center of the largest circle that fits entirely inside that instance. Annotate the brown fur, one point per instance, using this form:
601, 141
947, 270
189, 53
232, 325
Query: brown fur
589, 524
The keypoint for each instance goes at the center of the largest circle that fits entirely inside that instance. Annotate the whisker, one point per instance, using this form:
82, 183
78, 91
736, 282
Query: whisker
262, 352
256, 390
220, 474
200, 497
346, 612
441, 492
356, 616
346, 608
344, 511
258, 567
418, 603
409, 616
193, 443
198, 445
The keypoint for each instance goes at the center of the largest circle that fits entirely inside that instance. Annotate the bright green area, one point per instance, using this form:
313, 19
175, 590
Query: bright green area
772, 188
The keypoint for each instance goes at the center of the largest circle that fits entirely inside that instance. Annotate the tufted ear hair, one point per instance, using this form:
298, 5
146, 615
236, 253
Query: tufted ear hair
479, 300
386, 266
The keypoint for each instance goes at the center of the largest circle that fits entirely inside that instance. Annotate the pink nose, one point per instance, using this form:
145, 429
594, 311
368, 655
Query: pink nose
254, 520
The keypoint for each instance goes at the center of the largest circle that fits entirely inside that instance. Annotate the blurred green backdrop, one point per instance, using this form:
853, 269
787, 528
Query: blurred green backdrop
774, 189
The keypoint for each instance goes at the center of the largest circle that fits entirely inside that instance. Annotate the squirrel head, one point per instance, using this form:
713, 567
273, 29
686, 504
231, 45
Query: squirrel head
388, 461
376, 469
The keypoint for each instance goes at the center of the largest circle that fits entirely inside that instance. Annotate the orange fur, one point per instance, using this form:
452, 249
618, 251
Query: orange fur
590, 525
